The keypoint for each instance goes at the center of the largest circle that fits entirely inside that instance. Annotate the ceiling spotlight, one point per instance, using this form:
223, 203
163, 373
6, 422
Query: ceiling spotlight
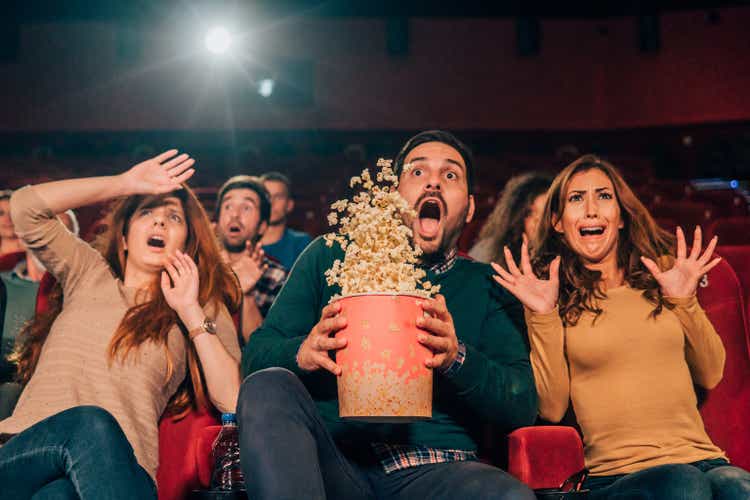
265, 87
218, 40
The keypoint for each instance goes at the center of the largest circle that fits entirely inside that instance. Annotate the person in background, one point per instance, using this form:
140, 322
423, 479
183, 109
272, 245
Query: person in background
279, 241
9, 241
243, 210
144, 329
615, 328
515, 216
17, 307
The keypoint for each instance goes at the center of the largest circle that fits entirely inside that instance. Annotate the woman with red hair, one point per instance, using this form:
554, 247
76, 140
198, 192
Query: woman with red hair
144, 328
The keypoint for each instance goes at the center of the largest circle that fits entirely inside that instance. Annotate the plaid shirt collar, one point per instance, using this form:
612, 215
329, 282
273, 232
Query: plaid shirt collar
444, 265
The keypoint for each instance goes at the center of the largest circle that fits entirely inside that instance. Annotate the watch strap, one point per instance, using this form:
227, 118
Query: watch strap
198, 330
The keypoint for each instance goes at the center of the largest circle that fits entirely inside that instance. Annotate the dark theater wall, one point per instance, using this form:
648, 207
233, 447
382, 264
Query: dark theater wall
456, 74
701, 73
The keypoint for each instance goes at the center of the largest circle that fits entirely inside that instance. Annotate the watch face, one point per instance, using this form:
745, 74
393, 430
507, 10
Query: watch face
209, 325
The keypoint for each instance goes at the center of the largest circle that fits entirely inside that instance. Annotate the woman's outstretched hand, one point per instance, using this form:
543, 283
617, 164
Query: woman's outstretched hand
161, 174
682, 280
536, 294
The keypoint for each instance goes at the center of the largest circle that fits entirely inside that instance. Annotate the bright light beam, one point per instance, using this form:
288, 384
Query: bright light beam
218, 40
265, 87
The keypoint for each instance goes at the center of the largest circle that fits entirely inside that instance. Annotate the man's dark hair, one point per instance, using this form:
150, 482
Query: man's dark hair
278, 177
246, 182
445, 138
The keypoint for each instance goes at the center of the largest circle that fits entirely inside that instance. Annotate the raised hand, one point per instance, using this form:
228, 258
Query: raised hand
182, 293
250, 267
160, 174
313, 353
682, 279
537, 294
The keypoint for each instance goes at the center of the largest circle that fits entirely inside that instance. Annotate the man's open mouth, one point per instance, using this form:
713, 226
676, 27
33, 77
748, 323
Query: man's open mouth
155, 241
430, 213
235, 229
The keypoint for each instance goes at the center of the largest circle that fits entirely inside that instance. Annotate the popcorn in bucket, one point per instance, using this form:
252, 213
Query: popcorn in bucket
383, 376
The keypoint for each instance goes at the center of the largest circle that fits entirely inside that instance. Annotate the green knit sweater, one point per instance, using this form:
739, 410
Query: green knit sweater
495, 383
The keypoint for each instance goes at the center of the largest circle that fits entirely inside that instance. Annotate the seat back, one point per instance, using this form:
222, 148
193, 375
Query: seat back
9, 260
731, 230
726, 408
738, 256
180, 451
686, 213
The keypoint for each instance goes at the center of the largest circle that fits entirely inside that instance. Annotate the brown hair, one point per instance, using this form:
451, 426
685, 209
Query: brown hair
152, 319
505, 225
639, 236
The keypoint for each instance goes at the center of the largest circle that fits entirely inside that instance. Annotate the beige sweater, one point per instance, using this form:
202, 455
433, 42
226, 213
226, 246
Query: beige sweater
630, 379
73, 368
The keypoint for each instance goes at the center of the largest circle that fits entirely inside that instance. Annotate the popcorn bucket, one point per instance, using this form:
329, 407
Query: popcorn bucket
383, 377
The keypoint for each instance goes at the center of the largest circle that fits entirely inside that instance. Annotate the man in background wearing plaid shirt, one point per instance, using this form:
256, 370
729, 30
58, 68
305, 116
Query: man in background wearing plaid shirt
243, 208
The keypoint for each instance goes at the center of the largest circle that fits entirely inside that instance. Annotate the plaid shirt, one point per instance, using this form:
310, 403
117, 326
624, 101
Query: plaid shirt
269, 285
394, 457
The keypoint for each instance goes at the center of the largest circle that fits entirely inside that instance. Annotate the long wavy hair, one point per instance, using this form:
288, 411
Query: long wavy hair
152, 318
580, 287
505, 225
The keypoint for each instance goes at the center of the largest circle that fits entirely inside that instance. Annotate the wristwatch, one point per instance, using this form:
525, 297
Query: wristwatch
207, 326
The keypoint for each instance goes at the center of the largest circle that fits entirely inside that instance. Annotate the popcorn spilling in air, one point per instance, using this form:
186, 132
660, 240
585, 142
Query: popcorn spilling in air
380, 254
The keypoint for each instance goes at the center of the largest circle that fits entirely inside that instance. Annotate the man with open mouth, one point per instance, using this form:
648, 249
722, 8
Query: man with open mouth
242, 212
293, 443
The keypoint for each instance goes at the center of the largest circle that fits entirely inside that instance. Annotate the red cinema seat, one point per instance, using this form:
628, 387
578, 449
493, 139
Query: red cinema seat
738, 257
726, 409
9, 260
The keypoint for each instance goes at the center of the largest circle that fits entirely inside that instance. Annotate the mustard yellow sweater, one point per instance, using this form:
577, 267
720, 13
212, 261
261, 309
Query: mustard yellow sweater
630, 379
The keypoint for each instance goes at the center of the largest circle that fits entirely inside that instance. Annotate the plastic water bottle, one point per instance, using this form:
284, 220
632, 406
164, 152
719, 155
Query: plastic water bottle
227, 474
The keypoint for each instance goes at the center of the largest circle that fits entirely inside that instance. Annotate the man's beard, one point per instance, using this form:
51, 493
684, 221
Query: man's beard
278, 222
233, 248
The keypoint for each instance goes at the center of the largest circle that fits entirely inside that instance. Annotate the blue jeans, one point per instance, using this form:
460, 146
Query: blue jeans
78, 453
287, 453
707, 479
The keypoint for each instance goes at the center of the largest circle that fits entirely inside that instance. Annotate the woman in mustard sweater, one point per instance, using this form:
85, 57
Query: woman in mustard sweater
616, 329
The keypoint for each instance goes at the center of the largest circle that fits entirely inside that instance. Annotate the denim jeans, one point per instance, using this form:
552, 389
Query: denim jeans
77, 453
287, 453
707, 479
